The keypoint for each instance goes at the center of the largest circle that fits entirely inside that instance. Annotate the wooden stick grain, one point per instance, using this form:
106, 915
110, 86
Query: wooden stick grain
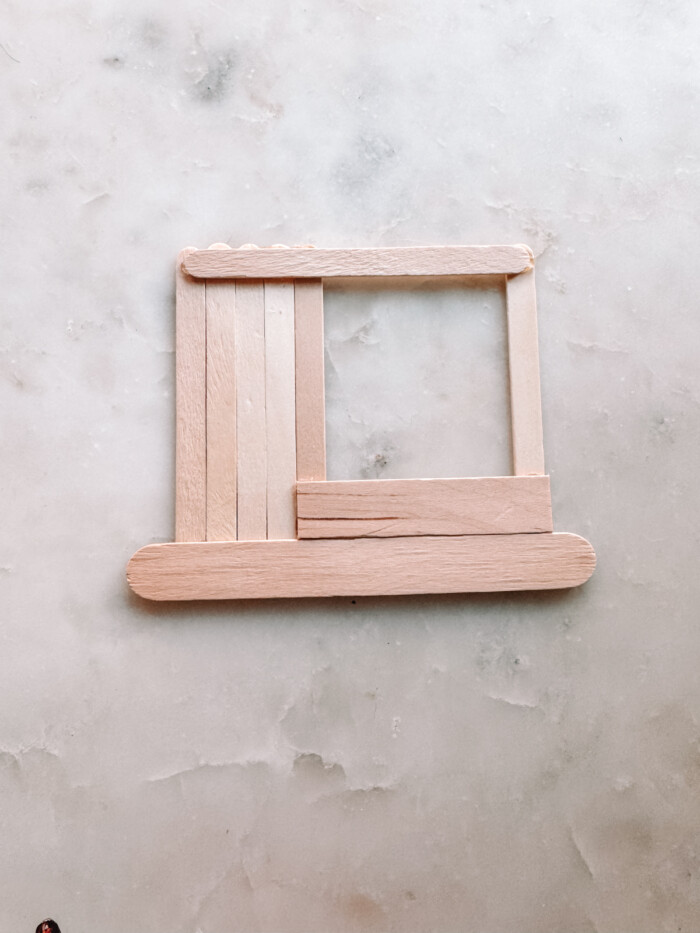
524, 372
250, 411
395, 508
221, 412
323, 263
279, 409
310, 389
190, 400
360, 567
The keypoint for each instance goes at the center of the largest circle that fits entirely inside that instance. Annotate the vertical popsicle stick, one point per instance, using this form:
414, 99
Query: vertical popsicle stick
221, 411
524, 366
190, 401
279, 410
250, 411
310, 389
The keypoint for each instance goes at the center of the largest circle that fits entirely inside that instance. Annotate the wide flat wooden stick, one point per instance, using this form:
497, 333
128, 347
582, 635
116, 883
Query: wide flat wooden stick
360, 567
310, 389
250, 411
221, 412
320, 263
399, 507
524, 369
190, 400
279, 409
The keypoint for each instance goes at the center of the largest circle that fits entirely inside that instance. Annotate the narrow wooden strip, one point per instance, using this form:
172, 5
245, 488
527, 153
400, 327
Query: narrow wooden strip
398, 507
310, 389
250, 411
221, 412
524, 368
360, 567
279, 409
190, 401
319, 263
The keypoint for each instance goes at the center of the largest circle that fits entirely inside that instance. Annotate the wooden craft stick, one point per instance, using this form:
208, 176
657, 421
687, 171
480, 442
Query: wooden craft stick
310, 389
524, 369
399, 507
320, 263
221, 412
190, 399
279, 409
250, 411
360, 567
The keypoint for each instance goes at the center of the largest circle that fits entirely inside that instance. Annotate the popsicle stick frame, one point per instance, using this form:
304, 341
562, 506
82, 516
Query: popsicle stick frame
254, 514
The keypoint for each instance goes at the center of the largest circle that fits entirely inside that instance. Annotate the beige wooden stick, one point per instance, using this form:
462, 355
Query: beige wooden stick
250, 411
221, 412
310, 389
320, 263
524, 369
398, 507
360, 567
190, 399
279, 409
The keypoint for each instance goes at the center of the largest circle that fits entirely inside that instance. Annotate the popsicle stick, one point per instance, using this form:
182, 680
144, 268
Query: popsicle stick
310, 389
279, 409
190, 399
524, 369
399, 507
319, 263
221, 412
250, 411
360, 567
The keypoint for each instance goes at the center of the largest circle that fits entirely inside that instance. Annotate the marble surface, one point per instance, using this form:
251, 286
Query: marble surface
517, 763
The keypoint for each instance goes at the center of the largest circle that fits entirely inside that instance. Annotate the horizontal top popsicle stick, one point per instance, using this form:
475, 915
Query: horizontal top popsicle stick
322, 263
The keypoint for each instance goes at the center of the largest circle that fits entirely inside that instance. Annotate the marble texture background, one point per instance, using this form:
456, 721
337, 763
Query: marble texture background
491, 763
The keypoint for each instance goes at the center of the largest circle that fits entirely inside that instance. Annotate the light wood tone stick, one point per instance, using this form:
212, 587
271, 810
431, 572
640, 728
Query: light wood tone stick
360, 567
279, 409
250, 411
320, 263
221, 412
310, 389
190, 401
524, 369
391, 508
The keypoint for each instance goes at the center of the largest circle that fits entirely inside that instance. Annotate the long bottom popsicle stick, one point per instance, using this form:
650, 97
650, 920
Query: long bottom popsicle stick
360, 567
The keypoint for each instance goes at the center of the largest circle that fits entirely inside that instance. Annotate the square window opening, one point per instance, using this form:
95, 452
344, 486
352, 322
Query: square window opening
416, 378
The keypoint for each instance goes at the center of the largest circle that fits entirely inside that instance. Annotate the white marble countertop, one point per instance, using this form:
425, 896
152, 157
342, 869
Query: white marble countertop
490, 763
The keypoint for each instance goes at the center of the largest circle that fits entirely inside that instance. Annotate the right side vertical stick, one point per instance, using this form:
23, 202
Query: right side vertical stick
310, 391
524, 368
